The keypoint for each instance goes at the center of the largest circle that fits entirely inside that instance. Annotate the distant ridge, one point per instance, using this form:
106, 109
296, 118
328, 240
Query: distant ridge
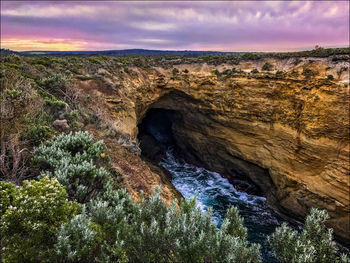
317, 52
127, 52
5, 51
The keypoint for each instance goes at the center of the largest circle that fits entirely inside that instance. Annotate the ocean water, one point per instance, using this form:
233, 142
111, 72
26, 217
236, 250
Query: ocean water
216, 192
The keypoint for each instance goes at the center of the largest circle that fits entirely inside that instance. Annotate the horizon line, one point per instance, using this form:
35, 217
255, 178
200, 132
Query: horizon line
182, 50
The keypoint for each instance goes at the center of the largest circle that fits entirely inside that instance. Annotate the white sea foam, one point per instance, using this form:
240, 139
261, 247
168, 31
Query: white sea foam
212, 190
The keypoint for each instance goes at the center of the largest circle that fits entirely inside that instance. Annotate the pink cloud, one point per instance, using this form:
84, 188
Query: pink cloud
229, 26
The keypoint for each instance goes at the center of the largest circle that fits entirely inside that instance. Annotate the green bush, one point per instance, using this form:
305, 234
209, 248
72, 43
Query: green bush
76, 161
39, 133
73, 119
97, 59
8, 192
38, 128
44, 61
313, 245
51, 100
13, 93
76, 240
267, 67
29, 225
98, 235
39, 224
255, 71
55, 84
116, 229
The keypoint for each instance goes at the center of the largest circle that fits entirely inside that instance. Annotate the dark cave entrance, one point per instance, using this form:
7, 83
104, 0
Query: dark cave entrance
155, 133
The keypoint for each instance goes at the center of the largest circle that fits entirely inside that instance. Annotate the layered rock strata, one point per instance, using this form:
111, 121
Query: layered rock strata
286, 129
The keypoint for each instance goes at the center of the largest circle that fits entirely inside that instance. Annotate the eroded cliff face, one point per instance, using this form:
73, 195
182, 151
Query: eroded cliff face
287, 131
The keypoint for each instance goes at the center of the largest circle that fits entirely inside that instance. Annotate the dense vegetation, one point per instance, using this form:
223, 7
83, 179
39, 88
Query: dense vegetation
143, 58
62, 200
99, 222
313, 244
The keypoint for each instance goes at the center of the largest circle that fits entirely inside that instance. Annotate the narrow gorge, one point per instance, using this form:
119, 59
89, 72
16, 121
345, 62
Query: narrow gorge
284, 130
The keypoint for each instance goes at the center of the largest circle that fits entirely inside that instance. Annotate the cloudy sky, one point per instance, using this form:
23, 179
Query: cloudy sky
222, 26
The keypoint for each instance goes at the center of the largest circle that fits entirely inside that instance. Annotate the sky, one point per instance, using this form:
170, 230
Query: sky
174, 25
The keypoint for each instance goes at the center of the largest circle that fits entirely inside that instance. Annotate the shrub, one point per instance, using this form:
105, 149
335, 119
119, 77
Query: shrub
7, 194
76, 239
53, 103
97, 59
140, 62
29, 225
313, 245
267, 67
330, 77
217, 73
45, 61
294, 73
55, 84
13, 93
255, 71
279, 74
73, 118
55, 107
38, 127
175, 71
98, 235
114, 228
308, 73
340, 58
76, 160
235, 70
297, 61
39, 133
150, 231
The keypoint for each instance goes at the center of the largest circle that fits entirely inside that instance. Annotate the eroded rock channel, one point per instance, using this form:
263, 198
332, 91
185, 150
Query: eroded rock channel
162, 129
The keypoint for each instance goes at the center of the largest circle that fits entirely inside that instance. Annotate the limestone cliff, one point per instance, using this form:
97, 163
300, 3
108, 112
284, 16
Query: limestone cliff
287, 129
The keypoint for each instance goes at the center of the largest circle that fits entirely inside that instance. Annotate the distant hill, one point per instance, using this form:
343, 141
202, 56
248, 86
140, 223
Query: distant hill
5, 52
129, 52
318, 52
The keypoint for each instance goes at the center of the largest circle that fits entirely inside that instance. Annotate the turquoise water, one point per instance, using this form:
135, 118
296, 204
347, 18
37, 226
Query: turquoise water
214, 191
